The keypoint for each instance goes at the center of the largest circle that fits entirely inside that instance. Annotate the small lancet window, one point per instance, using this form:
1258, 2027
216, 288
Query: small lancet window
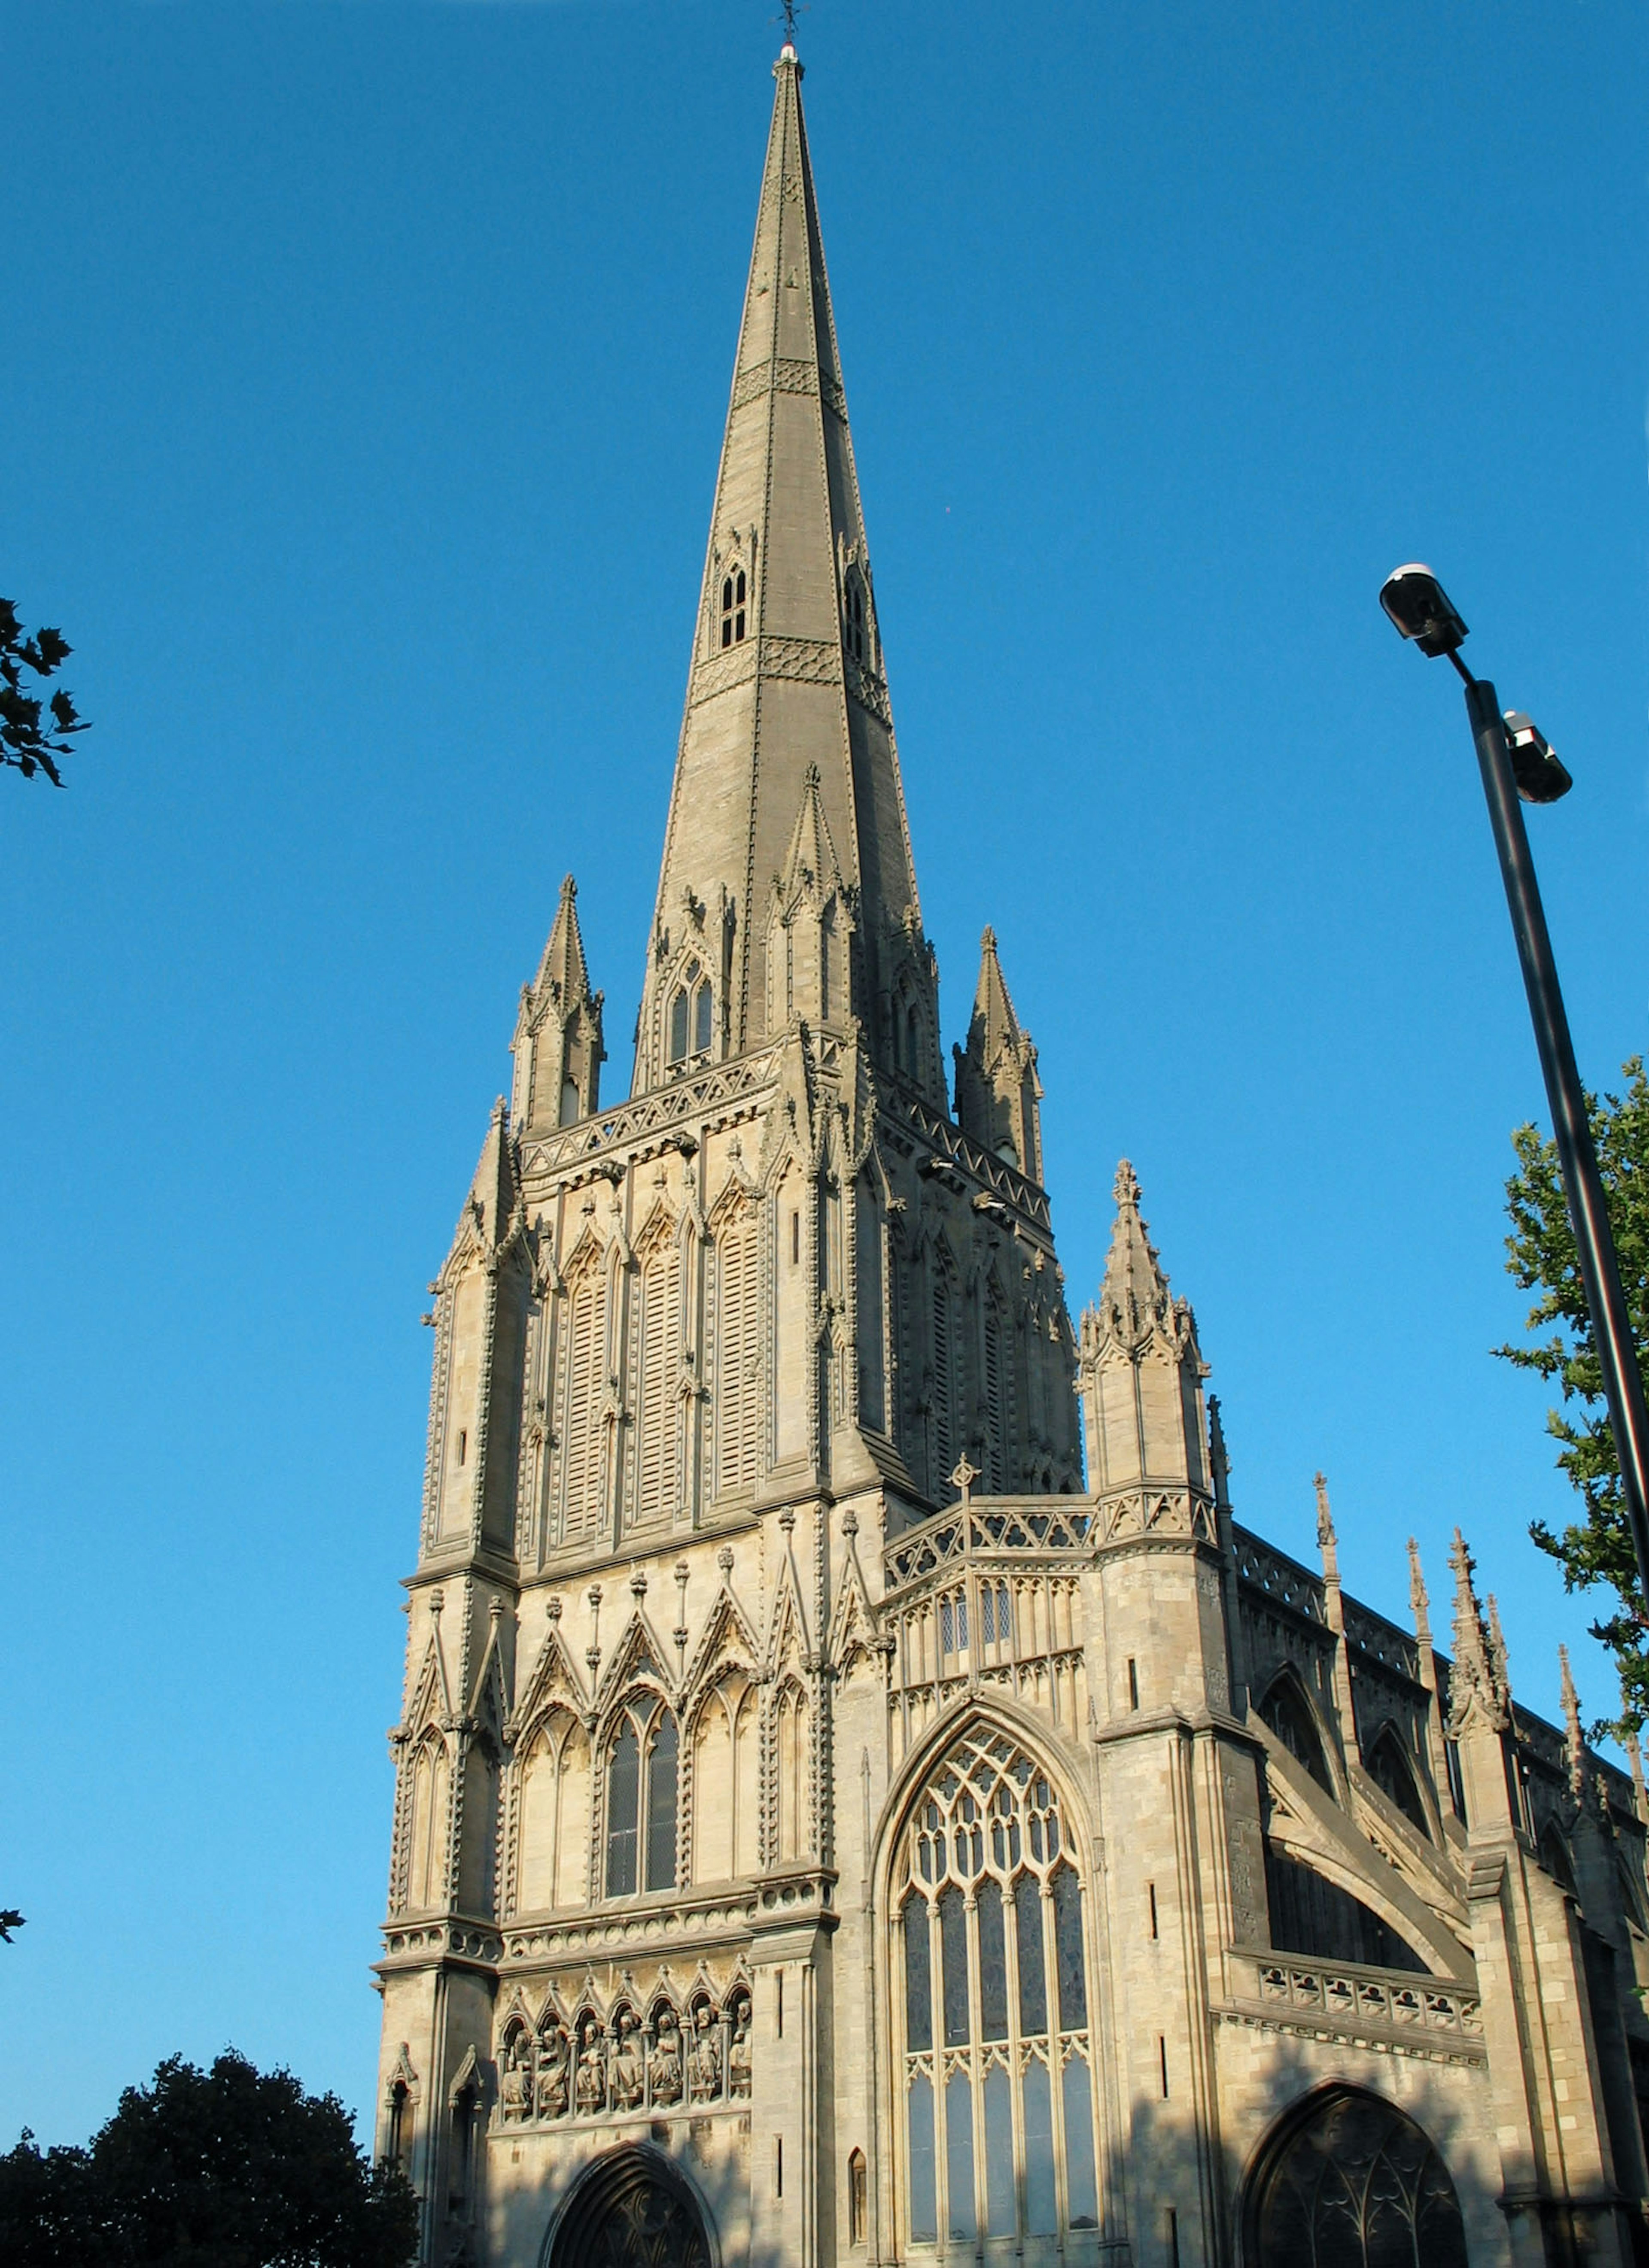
732, 595
702, 1019
678, 1027
858, 641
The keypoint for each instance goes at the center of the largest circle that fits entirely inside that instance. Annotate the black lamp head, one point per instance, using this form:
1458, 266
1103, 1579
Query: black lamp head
1540, 775
1420, 607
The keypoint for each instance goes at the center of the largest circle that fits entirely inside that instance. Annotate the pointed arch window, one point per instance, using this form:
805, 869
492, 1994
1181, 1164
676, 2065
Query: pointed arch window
1291, 1717
691, 1016
1393, 1773
733, 591
997, 2057
858, 630
641, 1793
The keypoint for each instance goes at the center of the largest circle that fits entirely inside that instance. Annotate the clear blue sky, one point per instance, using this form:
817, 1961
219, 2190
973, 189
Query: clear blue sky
363, 380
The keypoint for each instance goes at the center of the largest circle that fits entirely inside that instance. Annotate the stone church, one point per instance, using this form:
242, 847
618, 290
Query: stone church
862, 1795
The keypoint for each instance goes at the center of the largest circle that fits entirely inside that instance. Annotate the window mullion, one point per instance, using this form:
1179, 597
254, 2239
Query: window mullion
1056, 2068
942, 2139
976, 2059
1010, 1943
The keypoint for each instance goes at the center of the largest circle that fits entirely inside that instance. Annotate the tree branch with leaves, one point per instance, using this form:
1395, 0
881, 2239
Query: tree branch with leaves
35, 730
1542, 1256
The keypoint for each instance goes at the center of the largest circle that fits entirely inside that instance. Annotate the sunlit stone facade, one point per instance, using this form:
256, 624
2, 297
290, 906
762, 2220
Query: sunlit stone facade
860, 1796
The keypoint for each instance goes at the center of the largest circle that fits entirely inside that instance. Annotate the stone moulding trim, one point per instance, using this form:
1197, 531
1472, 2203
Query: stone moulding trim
718, 673
726, 1919
789, 374
998, 1175
433, 1940
658, 1112
809, 661
1423, 2047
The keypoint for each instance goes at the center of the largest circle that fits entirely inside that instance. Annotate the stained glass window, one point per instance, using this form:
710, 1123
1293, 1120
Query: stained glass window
997, 2080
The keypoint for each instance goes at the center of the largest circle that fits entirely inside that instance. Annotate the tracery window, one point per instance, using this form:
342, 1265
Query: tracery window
733, 595
995, 2057
691, 1016
1354, 2185
641, 1776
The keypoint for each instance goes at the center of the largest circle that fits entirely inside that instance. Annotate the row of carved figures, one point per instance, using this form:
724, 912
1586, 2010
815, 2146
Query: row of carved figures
626, 2065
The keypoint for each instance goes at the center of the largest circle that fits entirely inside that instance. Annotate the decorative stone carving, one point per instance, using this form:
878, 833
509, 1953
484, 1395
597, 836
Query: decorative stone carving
515, 2079
739, 2050
628, 2072
664, 2065
552, 2075
591, 2083
706, 2058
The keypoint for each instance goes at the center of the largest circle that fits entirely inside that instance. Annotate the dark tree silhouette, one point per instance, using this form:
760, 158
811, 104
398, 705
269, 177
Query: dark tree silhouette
34, 731
231, 2168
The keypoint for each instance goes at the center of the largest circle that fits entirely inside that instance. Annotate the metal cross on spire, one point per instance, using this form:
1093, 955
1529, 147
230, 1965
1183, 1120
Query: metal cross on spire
790, 12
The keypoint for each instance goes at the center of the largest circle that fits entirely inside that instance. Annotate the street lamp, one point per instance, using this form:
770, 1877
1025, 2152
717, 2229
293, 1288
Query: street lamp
1517, 765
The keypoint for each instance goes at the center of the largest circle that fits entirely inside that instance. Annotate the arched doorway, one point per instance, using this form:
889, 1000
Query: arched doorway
1349, 2182
631, 2209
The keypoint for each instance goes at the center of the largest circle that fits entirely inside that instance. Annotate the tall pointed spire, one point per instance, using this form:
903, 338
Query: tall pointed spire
786, 673
997, 1090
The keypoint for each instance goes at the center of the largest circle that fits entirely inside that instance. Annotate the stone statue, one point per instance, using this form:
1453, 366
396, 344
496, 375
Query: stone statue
627, 2065
664, 2066
552, 2075
706, 2075
739, 2050
591, 2083
515, 2080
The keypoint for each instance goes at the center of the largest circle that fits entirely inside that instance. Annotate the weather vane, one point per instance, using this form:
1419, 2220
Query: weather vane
791, 11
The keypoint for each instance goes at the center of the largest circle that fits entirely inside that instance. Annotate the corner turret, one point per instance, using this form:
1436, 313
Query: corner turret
557, 1043
998, 1094
1140, 1372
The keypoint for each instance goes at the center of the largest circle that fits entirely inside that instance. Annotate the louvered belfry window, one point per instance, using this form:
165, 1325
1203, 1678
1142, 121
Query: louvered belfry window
997, 2057
584, 1325
737, 1359
659, 1345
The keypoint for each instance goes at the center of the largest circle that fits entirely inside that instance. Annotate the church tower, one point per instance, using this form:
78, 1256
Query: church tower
855, 1802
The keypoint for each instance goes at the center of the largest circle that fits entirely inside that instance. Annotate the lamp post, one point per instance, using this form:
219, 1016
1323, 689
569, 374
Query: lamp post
1517, 765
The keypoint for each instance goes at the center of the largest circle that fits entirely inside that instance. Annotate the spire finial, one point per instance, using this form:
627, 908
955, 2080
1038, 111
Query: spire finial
1125, 1189
1327, 1543
1479, 1675
1419, 1605
789, 10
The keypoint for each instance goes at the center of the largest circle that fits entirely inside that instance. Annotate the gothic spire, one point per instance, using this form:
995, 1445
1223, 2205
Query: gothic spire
1419, 1605
1477, 1683
997, 1090
787, 670
1134, 1300
557, 1043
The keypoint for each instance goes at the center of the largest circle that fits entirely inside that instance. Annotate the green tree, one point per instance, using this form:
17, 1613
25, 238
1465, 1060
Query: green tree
1596, 1548
231, 2168
28, 741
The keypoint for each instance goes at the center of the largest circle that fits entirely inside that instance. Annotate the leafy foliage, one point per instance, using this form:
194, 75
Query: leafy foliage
232, 2168
27, 740
1542, 1255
